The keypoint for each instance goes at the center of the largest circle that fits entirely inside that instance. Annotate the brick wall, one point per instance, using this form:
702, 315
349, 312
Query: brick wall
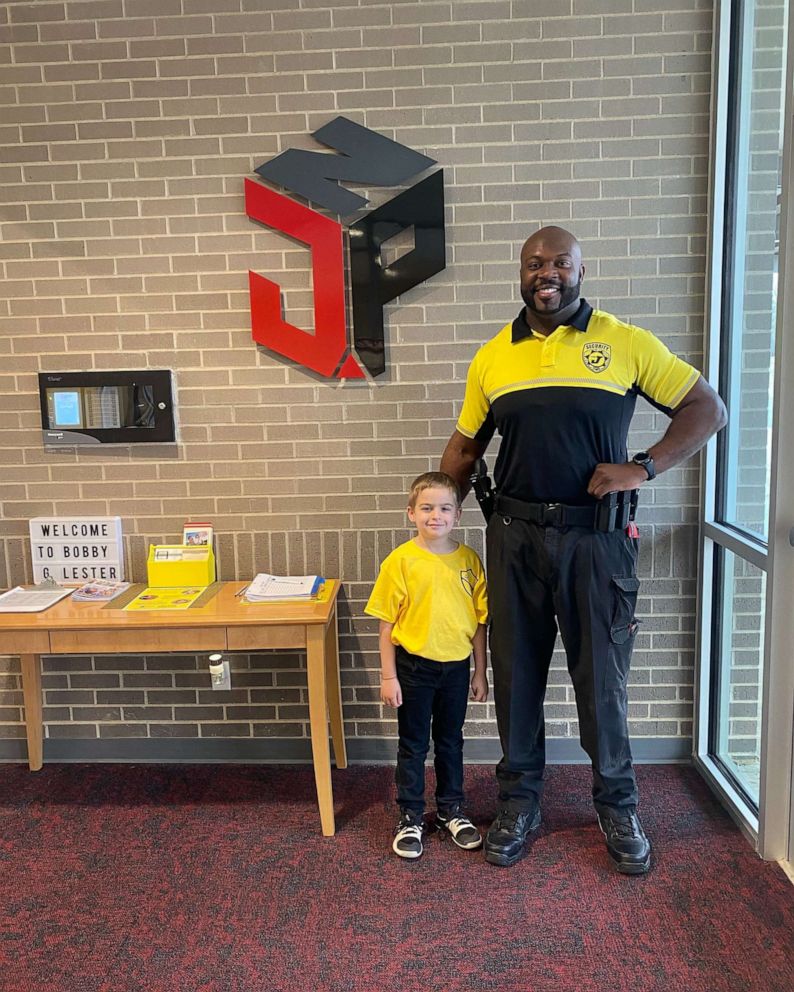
128, 127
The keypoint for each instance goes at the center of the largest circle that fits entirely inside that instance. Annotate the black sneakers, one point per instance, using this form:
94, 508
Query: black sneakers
454, 823
627, 844
506, 840
409, 835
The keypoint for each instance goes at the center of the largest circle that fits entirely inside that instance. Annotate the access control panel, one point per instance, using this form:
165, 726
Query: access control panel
106, 407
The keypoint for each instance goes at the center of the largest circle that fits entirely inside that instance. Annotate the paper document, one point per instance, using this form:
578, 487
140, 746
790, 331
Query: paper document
21, 600
266, 587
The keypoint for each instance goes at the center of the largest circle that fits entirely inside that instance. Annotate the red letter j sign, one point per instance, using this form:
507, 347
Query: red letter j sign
323, 351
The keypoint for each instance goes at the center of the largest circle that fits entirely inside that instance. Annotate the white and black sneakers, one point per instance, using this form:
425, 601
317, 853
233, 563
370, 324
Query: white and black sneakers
410, 832
454, 823
409, 835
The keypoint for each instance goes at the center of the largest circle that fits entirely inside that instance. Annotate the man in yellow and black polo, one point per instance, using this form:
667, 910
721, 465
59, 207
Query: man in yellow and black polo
559, 384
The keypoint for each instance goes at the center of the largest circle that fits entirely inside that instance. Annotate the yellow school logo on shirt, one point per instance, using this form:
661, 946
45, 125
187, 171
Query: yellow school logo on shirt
468, 580
597, 356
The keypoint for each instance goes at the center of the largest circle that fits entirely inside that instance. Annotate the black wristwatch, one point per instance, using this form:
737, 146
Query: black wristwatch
644, 458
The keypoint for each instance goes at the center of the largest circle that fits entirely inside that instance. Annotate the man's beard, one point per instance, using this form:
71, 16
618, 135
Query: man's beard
568, 294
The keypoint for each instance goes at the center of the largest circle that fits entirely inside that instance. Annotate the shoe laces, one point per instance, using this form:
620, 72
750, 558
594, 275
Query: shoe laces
410, 821
454, 815
507, 818
409, 830
625, 826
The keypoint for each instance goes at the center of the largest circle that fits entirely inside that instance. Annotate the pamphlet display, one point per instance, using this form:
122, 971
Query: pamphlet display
172, 565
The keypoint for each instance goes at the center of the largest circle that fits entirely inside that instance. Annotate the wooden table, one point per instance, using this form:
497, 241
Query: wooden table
225, 623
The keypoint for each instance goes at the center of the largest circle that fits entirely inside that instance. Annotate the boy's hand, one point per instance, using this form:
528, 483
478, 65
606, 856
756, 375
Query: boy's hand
390, 692
479, 687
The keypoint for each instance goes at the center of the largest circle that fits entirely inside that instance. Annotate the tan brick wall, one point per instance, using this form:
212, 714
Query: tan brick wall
128, 127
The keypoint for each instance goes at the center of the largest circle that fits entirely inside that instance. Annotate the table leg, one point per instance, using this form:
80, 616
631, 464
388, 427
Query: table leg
334, 690
31, 691
318, 719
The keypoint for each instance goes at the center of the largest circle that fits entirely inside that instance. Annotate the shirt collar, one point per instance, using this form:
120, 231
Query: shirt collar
580, 320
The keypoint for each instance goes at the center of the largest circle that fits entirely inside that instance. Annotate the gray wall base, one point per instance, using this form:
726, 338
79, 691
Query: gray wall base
361, 750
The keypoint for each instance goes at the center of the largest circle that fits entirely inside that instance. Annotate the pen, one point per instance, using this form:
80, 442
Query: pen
241, 592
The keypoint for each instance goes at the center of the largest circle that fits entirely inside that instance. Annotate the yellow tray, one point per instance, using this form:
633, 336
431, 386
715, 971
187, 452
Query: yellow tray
187, 566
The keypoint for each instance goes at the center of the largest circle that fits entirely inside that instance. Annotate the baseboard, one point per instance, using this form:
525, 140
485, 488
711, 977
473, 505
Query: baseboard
368, 750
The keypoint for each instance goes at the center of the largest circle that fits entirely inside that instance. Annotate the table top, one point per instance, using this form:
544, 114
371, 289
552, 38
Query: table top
225, 609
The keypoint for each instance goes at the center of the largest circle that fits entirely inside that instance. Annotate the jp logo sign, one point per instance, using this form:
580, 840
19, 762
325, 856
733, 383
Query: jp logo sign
367, 158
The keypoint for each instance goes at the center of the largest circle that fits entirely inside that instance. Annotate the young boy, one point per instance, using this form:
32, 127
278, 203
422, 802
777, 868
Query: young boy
431, 602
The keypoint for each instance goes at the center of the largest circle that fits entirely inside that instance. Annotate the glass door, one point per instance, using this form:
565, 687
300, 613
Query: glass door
742, 744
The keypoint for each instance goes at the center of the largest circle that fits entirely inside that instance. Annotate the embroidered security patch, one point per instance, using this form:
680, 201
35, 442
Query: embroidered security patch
597, 356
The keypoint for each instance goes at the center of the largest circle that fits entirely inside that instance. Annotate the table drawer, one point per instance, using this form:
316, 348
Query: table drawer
261, 638
24, 642
137, 641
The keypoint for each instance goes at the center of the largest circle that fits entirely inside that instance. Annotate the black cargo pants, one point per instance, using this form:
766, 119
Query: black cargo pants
583, 581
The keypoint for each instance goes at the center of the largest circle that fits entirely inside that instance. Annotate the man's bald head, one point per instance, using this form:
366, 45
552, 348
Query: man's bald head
551, 275
555, 239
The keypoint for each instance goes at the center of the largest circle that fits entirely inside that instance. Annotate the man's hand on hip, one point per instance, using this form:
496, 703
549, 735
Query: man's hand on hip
610, 478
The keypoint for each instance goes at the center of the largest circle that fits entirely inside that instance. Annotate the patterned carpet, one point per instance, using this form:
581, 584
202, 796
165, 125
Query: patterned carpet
119, 878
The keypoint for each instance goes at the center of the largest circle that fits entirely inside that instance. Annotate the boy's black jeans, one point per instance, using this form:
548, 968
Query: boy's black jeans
435, 695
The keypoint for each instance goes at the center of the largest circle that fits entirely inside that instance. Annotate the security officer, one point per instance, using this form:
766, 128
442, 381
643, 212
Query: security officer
559, 384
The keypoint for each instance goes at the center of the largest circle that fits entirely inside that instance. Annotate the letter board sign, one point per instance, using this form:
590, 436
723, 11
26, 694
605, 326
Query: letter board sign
76, 549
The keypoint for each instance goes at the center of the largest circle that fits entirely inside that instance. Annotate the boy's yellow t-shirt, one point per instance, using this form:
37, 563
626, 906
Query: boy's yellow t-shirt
434, 601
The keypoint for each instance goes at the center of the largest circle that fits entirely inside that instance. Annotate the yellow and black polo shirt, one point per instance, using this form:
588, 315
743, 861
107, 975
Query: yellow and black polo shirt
563, 403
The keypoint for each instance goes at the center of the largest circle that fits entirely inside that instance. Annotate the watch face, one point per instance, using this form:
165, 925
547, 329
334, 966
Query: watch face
643, 458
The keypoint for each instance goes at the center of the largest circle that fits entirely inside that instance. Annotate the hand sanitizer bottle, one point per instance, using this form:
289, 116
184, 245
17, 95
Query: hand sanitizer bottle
220, 675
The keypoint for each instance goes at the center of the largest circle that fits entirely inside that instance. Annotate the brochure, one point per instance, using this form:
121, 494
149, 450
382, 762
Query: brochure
99, 591
265, 587
160, 598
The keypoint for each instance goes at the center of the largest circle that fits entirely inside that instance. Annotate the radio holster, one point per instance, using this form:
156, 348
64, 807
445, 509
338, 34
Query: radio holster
481, 484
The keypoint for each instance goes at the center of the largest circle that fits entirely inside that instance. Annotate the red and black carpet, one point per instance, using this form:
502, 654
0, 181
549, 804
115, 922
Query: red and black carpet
217, 879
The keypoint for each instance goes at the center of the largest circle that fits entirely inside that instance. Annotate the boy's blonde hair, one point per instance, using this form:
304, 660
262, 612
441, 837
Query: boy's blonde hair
433, 480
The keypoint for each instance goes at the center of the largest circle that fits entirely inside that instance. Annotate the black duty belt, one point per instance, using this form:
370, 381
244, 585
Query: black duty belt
613, 512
